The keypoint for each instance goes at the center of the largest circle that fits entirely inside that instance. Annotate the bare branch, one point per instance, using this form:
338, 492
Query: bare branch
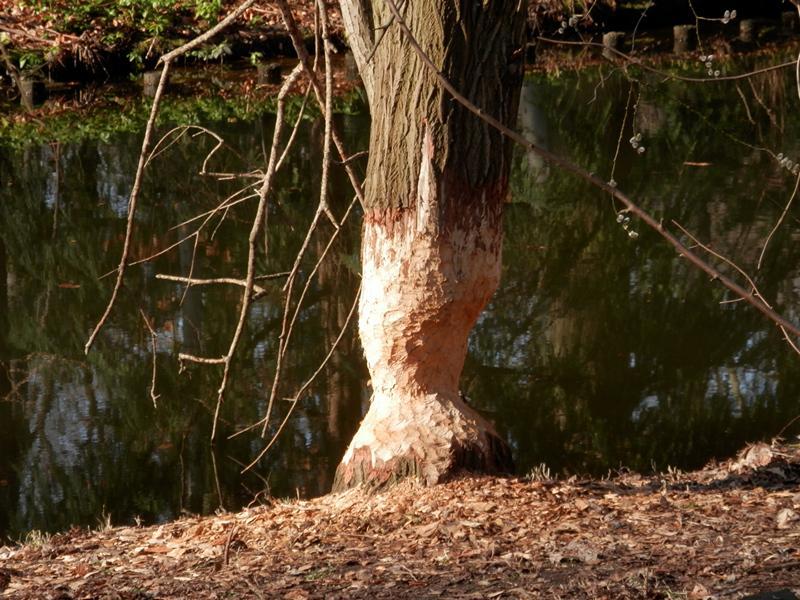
203, 360
258, 222
137, 183
303, 388
328, 113
302, 53
287, 326
218, 280
597, 182
153, 396
779, 222
204, 37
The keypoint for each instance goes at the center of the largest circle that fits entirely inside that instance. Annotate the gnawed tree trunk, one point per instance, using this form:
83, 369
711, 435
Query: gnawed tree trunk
431, 244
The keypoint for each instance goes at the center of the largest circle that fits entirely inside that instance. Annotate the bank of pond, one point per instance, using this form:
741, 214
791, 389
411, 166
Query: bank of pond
601, 350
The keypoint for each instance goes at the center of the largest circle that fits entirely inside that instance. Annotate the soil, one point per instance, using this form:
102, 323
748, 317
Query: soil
727, 531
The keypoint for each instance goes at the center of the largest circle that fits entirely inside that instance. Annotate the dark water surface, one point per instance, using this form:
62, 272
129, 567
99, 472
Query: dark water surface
599, 350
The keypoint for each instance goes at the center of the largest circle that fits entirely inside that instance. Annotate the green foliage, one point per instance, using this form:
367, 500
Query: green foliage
131, 115
151, 17
255, 58
208, 9
209, 52
28, 61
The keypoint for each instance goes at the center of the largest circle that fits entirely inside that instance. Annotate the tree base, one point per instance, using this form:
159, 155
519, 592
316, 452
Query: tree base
435, 440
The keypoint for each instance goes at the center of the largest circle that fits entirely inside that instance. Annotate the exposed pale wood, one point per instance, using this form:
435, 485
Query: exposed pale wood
436, 182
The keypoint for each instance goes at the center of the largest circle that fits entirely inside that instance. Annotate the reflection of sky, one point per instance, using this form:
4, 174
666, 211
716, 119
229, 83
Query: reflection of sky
51, 190
114, 179
647, 403
743, 386
63, 421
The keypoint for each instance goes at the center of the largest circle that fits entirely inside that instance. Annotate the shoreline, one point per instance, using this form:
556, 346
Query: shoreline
724, 531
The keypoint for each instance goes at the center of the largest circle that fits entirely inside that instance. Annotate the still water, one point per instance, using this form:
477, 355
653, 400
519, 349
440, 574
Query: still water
599, 350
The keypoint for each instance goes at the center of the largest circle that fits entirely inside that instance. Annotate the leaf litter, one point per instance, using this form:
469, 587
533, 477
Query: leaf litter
728, 530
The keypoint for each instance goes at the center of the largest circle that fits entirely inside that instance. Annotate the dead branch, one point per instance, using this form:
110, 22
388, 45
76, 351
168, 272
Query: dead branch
217, 280
302, 53
258, 222
303, 388
137, 182
779, 222
153, 396
286, 326
597, 182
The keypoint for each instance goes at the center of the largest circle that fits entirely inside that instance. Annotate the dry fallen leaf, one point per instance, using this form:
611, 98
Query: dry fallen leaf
609, 538
699, 592
786, 518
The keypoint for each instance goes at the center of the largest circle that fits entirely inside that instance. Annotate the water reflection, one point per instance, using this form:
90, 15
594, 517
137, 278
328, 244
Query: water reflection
597, 350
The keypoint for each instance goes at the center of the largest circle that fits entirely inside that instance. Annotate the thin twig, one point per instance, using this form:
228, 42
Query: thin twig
228, 541
258, 222
326, 143
287, 325
306, 385
203, 360
302, 54
640, 63
190, 281
204, 37
746, 106
153, 396
166, 59
137, 183
778, 223
755, 292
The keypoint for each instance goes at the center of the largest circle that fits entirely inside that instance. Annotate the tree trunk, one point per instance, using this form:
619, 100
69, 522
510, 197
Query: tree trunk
432, 234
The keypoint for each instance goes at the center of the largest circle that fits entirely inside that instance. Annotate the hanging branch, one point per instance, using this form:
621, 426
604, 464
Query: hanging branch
134, 197
148, 133
303, 388
570, 167
779, 222
322, 206
153, 339
258, 222
302, 54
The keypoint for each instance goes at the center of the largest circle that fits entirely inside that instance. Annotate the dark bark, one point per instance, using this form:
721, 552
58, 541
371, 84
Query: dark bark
477, 47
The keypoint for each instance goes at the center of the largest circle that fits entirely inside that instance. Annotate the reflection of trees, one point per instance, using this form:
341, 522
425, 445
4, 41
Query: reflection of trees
91, 426
8, 439
4, 383
598, 350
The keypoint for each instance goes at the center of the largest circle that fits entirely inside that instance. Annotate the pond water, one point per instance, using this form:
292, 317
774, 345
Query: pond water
599, 351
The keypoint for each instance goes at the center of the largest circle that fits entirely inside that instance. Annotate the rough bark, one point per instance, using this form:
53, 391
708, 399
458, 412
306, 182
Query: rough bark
432, 238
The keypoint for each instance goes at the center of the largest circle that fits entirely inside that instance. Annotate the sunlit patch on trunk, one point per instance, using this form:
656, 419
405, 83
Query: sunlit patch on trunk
421, 295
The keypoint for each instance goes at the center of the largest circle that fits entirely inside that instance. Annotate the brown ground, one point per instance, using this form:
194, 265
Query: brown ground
723, 532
